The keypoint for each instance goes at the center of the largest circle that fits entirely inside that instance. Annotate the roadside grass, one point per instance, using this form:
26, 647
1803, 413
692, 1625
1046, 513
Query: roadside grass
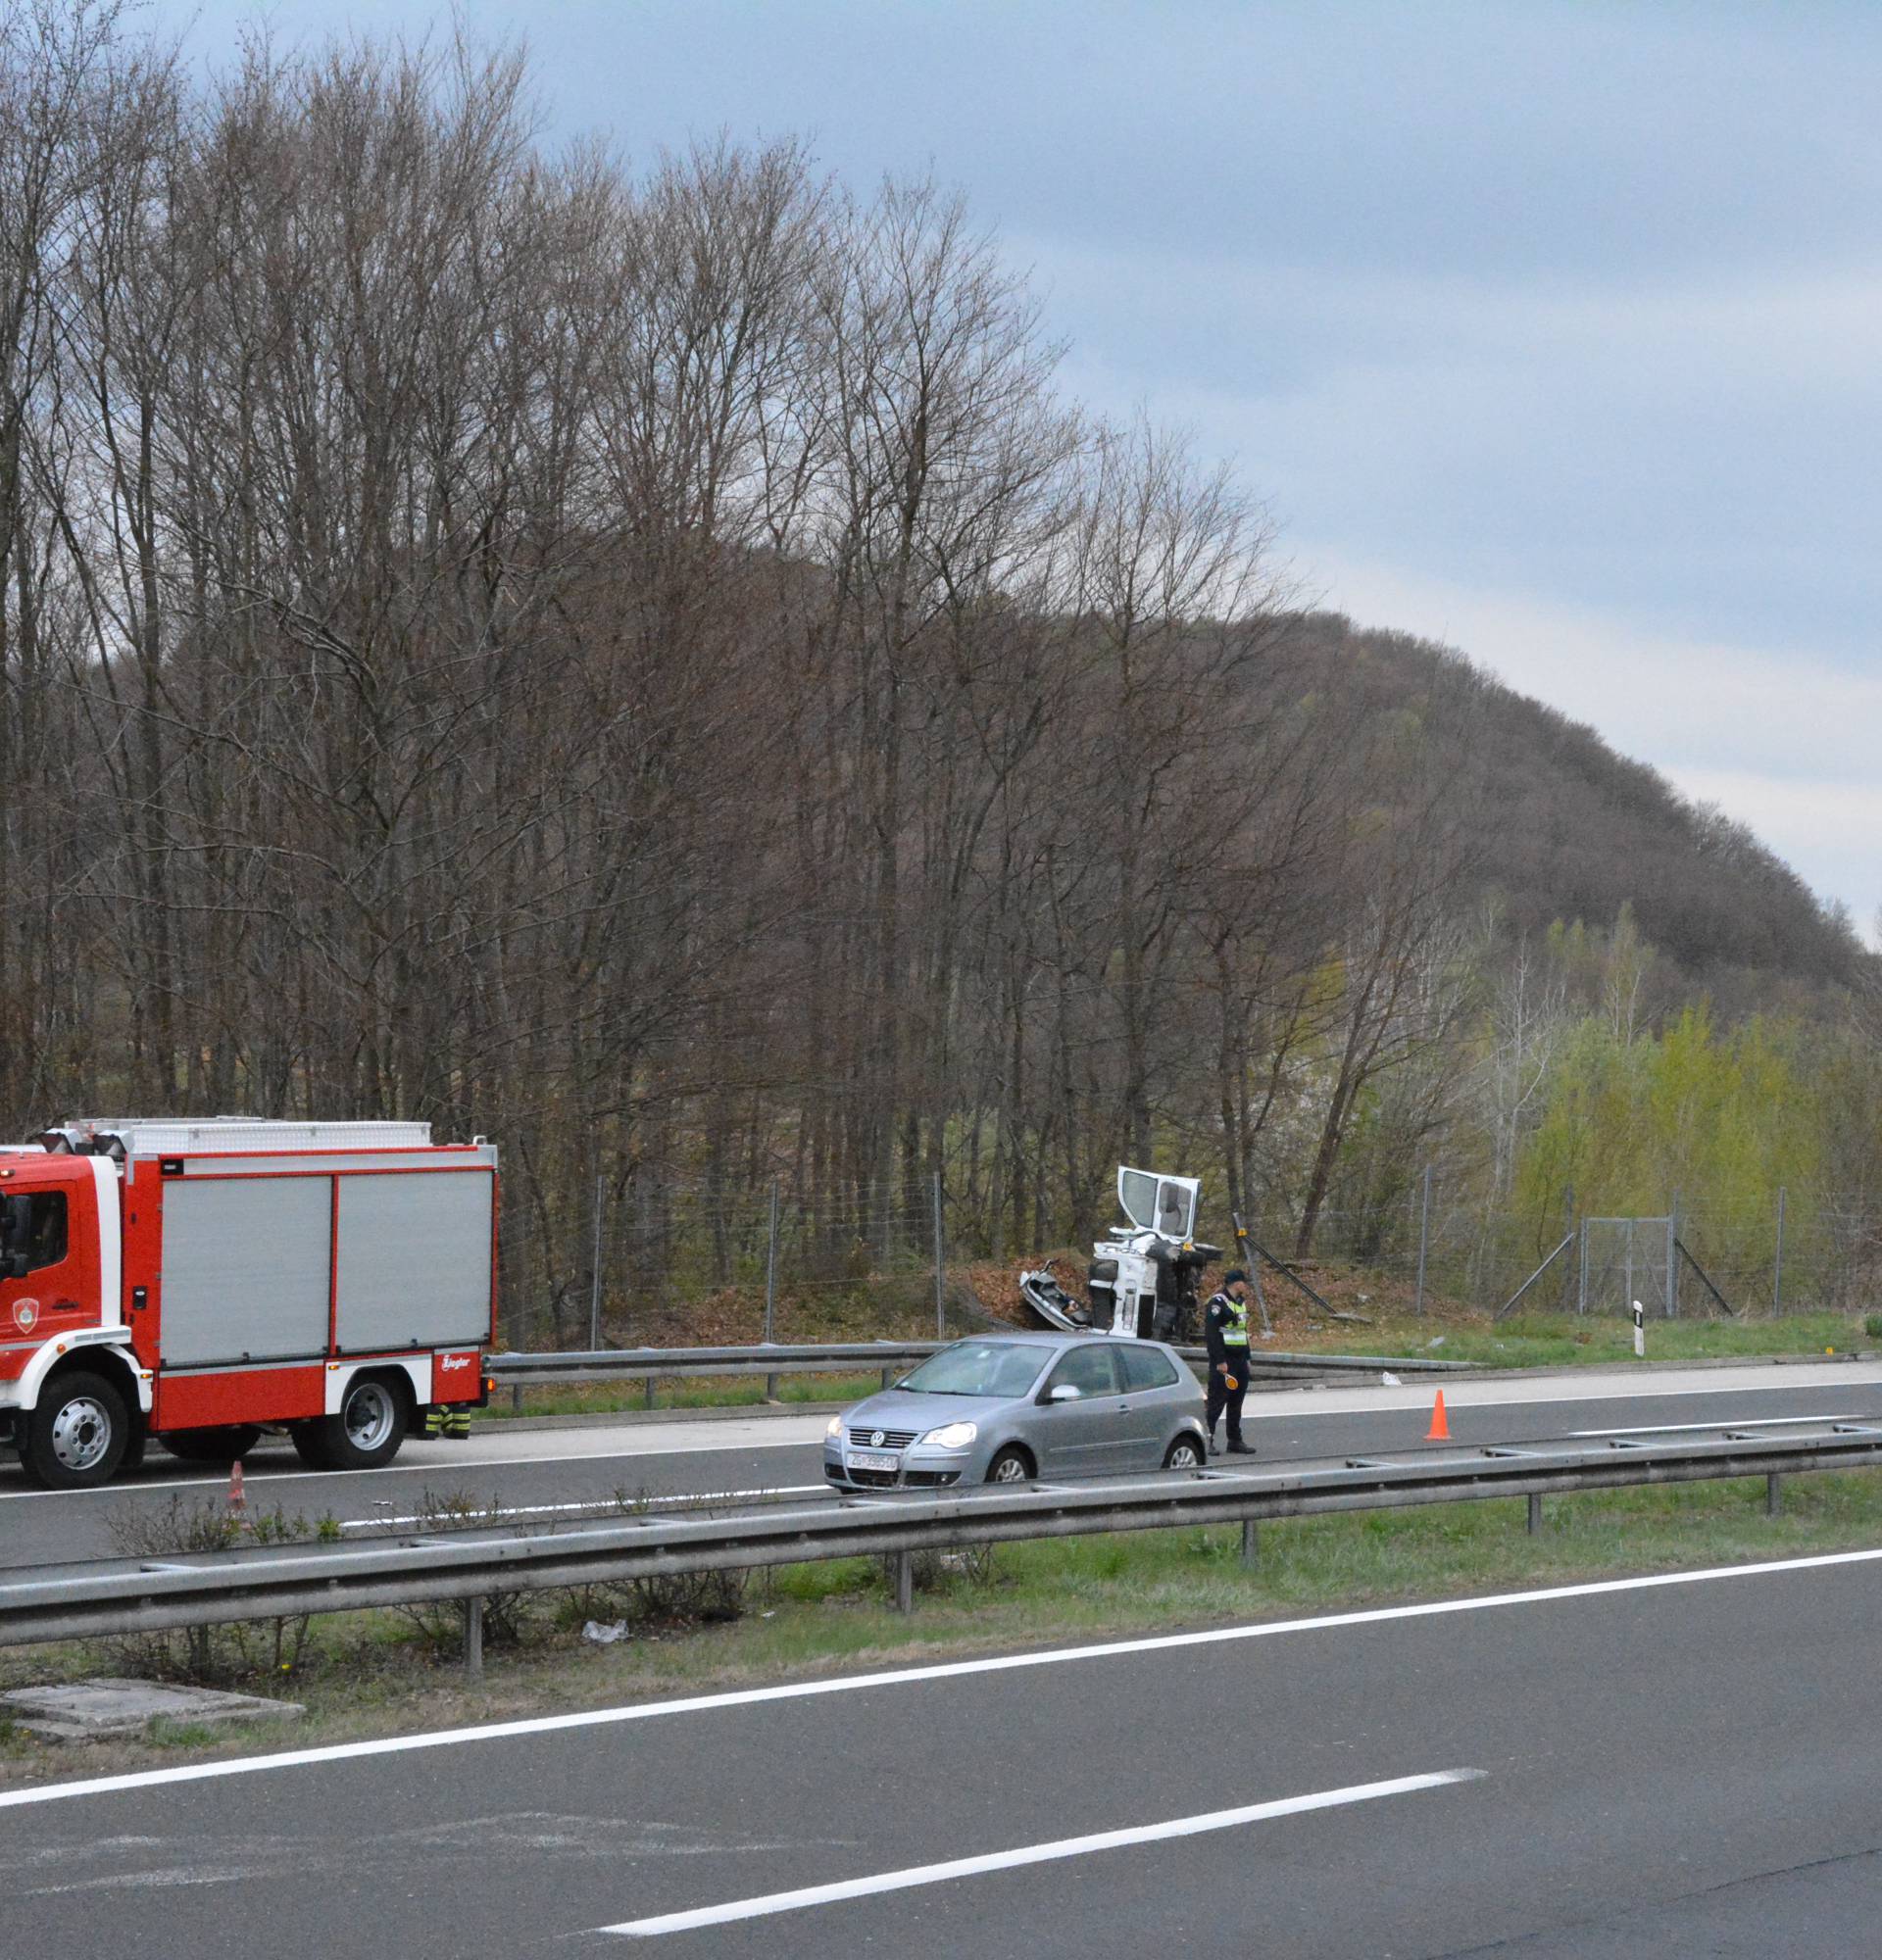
381, 1673
1566, 1340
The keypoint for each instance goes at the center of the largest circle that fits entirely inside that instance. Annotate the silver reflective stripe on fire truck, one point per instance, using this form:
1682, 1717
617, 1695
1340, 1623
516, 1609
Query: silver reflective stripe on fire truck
110, 1242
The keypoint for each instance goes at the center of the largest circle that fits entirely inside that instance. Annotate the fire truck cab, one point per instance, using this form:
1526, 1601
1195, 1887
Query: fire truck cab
197, 1281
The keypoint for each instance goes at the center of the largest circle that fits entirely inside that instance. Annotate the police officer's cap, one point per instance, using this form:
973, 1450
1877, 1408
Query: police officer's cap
1233, 1274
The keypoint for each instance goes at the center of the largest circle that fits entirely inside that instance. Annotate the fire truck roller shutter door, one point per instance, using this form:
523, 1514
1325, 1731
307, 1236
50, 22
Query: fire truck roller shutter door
414, 1260
245, 1269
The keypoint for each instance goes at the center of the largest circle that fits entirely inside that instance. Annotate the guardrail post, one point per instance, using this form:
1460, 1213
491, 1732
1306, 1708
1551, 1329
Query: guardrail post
1774, 1496
1535, 1511
905, 1582
473, 1636
888, 1375
516, 1399
1251, 1544
649, 1399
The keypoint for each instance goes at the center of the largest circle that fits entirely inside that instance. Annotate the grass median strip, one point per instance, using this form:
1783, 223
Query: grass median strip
389, 1672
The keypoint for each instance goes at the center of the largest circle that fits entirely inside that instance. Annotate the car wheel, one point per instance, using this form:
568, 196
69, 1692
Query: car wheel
364, 1433
1010, 1465
212, 1445
1185, 1453
75, 1437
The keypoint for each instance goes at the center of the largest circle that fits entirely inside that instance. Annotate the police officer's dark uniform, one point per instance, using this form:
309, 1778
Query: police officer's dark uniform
1226, 1334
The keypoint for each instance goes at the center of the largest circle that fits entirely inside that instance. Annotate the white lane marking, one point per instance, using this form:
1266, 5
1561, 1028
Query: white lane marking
1461, 1394
849, 1683
1751, 1422
261, 1474
591, 1504
1032, 1854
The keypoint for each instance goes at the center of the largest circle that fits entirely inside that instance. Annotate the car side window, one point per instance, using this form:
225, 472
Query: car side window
1091, 1370
1147, 1368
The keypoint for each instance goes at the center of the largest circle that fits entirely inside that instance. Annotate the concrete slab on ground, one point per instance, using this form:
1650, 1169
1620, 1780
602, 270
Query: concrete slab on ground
85, 1711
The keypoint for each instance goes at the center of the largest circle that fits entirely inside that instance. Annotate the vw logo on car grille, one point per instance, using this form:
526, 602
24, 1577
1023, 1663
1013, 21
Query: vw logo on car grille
877, 1439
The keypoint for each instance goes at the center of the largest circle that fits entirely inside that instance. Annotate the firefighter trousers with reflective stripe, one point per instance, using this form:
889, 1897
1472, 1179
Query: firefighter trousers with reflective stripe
1220, 1395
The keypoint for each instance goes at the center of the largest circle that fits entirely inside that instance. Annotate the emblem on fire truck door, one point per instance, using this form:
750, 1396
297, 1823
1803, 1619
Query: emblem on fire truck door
26, 1313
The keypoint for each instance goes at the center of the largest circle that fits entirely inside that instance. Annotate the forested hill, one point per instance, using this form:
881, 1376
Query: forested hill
1558, 826
653, 667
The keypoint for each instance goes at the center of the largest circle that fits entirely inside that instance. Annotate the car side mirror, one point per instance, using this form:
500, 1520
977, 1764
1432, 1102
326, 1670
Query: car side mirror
1066, 1391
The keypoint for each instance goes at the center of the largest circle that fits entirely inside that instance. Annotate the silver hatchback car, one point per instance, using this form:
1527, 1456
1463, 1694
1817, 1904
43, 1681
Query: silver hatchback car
1000, 1408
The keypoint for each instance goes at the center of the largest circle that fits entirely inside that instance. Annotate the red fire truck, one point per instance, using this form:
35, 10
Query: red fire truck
199, 1281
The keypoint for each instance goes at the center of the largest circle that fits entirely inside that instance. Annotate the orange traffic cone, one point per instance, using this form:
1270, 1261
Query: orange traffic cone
1440, 1430
238, 1500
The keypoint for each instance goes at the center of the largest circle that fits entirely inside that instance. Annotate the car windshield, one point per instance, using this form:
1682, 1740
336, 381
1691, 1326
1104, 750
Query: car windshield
977, 1368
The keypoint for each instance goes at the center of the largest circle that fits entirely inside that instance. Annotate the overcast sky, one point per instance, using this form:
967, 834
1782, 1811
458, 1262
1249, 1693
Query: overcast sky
1549, 331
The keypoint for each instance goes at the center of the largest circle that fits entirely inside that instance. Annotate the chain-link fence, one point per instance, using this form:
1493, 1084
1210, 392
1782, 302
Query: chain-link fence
667, 1262
656, 1264
1804, 1252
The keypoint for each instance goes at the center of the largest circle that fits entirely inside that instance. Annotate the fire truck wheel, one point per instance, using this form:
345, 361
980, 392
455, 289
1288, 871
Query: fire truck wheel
213, 1446
75, 1437
365, 1432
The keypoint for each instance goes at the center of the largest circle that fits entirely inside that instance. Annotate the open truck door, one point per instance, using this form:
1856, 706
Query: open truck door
1153, 1203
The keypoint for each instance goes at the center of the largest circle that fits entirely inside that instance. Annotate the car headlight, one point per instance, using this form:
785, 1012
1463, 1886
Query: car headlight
951, 1436
835, 1431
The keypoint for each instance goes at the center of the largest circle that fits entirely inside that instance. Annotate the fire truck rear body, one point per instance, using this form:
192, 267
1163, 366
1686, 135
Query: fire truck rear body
220, 1275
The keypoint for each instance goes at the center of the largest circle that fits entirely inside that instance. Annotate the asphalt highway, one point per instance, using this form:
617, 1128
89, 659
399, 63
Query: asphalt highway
558, 1472
1652, 1769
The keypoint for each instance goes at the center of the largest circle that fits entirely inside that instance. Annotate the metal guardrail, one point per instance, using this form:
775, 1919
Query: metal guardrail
122, 1597
511, 1370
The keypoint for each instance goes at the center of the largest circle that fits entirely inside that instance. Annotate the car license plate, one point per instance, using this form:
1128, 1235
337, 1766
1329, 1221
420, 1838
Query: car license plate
875, 1459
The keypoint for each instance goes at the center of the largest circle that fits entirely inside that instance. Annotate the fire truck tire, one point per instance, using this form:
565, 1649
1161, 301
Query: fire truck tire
77, 1436
213, 1446
364, 1433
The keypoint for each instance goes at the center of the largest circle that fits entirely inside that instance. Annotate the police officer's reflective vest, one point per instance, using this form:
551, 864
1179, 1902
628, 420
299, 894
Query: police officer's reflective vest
1234, 1327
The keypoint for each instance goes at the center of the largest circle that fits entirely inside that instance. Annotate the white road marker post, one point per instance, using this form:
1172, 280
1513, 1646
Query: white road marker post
1640, 1333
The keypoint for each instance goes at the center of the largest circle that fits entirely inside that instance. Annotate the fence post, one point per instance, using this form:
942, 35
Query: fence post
771, 1292
594, 1293
1777, 1266
1672, 1260
940, 1295
1424, 1235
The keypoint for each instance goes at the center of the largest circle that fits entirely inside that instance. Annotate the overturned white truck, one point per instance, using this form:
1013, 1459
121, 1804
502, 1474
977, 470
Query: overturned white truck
1142, 1280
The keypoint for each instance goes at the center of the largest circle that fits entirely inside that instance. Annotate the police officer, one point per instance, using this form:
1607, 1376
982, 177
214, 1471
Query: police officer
1225, 1333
